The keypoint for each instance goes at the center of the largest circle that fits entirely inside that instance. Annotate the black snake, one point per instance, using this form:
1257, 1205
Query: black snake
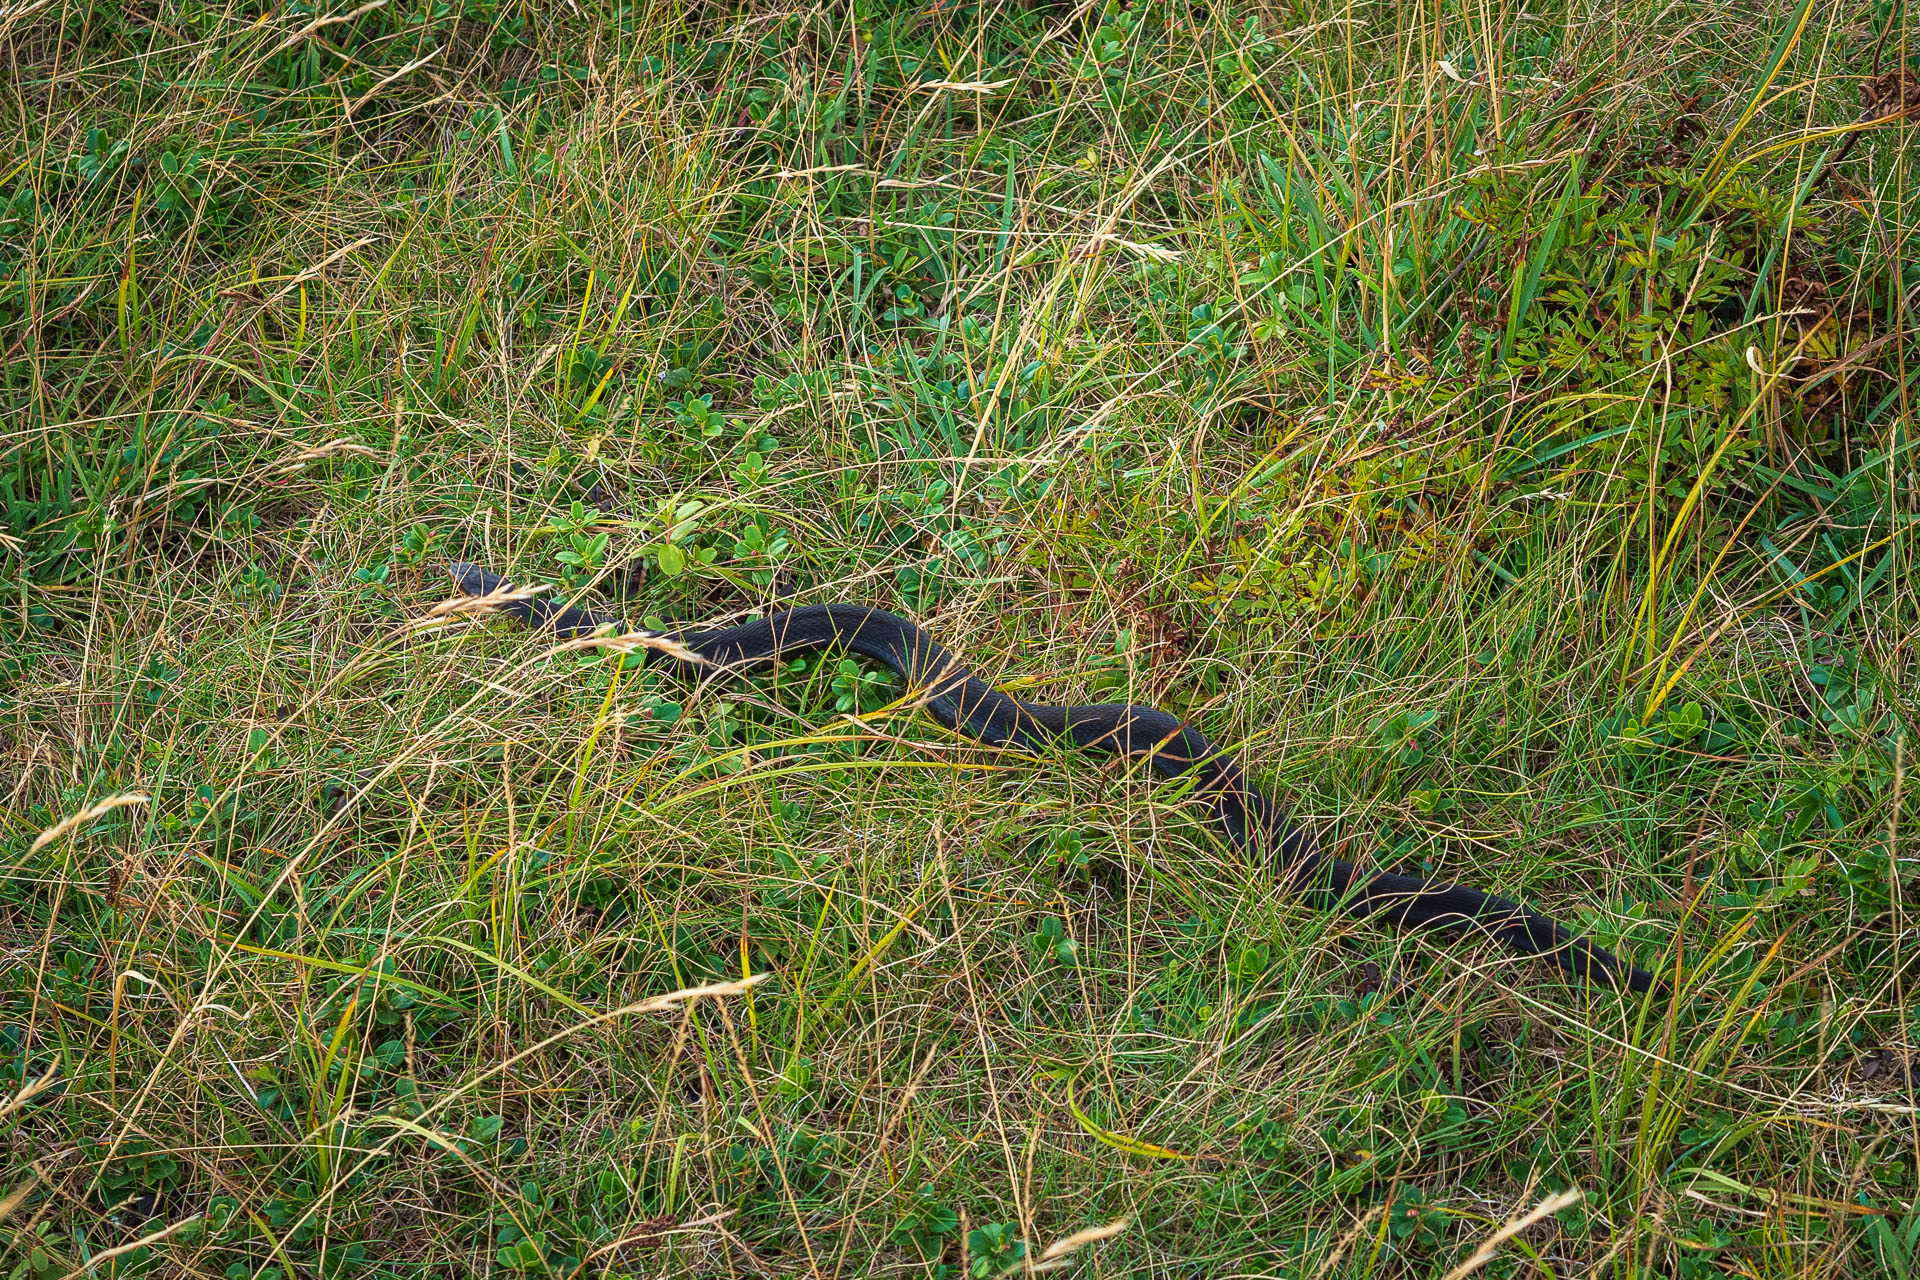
962, 701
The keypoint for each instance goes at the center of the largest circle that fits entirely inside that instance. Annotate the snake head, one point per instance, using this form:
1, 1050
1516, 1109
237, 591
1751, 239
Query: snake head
472, 579
523, 604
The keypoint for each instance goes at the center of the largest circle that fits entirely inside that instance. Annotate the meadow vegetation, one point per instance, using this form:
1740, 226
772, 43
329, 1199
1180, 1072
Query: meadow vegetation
1496, 423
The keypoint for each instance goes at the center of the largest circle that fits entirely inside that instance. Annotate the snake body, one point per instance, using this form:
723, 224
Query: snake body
963, 702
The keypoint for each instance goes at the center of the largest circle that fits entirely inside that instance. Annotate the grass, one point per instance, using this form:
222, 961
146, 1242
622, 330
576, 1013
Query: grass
1495, 424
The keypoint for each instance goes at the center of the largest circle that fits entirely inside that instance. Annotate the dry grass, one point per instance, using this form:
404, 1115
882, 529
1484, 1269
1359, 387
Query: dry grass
1497, 424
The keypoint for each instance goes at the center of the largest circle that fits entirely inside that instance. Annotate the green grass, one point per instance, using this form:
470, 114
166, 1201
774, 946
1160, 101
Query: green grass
1497, 425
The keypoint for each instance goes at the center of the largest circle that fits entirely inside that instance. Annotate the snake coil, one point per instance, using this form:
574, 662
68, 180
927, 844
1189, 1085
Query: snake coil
963, 702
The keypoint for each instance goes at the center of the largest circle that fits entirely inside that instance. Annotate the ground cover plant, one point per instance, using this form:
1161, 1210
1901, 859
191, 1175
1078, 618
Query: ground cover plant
1495, 422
